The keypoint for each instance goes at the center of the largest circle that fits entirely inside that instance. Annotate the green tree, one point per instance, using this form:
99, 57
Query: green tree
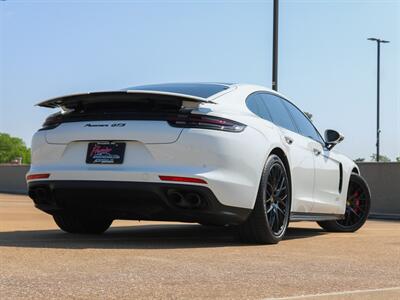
398, 158
382, 158
12, 148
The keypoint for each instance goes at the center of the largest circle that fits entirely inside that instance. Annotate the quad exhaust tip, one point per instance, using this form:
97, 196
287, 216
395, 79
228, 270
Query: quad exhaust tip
189, 200
193, 199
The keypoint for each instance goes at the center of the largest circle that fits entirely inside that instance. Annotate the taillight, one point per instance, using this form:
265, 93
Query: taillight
205, 122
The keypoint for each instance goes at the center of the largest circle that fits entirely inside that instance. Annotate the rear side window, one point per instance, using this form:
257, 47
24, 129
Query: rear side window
279, 114
303, 123
252, 104
255, 104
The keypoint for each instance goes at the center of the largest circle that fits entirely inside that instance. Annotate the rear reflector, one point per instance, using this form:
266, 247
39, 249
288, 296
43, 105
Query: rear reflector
182, 179
37, 176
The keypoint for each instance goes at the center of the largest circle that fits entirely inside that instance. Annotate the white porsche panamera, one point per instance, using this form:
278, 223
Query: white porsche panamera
211, 153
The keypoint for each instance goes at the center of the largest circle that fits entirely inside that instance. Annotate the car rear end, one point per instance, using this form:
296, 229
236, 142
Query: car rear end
142, 155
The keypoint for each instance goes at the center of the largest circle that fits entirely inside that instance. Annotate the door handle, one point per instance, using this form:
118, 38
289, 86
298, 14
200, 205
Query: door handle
288, 140
316, 151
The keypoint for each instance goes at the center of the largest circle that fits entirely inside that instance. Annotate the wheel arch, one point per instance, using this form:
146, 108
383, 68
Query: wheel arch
282, 155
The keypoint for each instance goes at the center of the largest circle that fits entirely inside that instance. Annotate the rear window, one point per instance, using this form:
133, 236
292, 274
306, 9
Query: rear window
203, 90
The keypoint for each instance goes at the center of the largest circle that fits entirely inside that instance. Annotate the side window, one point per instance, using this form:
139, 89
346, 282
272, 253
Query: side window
252, 104
279, 113
303, 123
255, 104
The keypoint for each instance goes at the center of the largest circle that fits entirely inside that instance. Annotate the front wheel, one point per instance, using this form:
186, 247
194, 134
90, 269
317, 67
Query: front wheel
82, 223
358, 204
269, 219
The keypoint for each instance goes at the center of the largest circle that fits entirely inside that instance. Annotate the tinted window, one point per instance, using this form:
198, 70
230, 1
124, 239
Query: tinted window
303, 123
203, 90
279, 113
252, 104
255, 104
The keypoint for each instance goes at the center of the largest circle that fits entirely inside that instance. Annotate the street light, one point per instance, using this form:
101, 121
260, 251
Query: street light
275, 46
378, 131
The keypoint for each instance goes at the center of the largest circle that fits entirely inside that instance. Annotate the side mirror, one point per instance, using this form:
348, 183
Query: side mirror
332, 138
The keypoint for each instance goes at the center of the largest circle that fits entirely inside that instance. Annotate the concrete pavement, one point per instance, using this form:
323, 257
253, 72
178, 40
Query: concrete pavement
187, 261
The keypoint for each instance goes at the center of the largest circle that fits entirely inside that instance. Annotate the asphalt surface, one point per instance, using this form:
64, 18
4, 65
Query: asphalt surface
187, 261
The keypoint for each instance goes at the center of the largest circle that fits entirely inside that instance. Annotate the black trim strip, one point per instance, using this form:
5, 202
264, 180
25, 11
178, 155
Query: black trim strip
296, 216
340, 177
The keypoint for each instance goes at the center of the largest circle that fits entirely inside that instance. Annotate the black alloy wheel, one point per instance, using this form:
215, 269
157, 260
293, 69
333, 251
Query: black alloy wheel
276, 199
358, 204
269, 219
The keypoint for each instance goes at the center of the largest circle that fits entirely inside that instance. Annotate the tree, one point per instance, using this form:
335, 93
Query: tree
398, 158
382, 158
360, 159
12, 148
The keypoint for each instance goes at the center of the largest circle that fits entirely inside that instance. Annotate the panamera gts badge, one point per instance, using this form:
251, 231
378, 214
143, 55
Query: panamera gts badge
105, 125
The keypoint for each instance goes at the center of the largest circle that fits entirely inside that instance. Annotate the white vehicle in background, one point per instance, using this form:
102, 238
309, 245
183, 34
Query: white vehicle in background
212, 153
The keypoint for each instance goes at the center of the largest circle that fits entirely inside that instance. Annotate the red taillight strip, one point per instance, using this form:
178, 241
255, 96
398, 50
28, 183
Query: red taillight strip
182, 179
37, 176
205, 122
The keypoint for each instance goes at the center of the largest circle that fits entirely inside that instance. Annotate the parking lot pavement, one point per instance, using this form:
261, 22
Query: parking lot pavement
174, 260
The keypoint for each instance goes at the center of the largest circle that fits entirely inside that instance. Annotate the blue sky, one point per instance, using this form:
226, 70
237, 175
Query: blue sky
326, 65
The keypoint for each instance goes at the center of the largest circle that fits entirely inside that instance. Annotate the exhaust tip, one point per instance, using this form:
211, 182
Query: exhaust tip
194, 200
188, 201
176, 198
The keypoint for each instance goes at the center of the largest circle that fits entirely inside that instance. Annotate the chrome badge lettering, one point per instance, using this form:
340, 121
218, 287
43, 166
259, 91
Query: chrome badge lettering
105, 125
96, 125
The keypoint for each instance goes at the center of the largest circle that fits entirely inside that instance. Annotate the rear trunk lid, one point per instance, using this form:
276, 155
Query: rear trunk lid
117, 116
148, 132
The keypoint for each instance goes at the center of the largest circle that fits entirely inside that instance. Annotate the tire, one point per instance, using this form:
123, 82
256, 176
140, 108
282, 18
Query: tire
269, 219
83, 224
357, 207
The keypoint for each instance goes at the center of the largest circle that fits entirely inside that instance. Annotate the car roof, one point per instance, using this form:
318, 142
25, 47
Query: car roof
196, 89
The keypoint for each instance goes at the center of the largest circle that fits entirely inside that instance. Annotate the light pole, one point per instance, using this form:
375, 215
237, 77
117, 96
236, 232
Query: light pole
275, 47
378, 130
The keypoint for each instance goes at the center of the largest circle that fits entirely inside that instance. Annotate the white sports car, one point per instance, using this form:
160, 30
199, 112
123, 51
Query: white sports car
212, 153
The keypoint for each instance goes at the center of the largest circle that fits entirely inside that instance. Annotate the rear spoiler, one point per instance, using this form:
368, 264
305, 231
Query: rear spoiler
76, 100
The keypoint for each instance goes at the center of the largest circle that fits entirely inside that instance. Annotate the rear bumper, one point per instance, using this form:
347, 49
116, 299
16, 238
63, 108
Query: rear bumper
133, 201
231, 168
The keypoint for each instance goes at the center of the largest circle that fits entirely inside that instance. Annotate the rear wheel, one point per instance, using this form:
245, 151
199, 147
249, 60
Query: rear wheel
357, 207
269, 219
84, 224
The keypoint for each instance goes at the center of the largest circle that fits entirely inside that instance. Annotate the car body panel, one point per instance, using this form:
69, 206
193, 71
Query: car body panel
230, 162
127, 130
210, 155
302, 170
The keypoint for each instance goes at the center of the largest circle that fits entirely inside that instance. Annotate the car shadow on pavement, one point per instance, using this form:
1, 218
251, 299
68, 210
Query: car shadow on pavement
163, 236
